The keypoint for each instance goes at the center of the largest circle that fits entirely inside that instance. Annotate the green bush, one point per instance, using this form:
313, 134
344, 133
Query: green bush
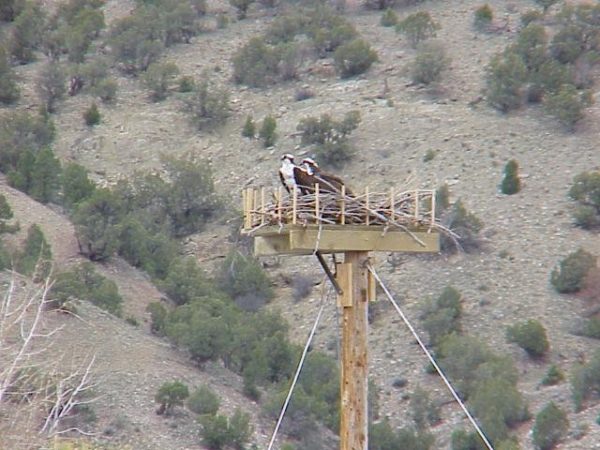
569, 276
157, 78
586, 191
424, 411
249, 129
354, 57
551, 424
91, 116
186, 282
383, 437
171, 394
255, 64
106, 90
219, 431
84, 283
530, 16
546, 3
483, 17
389, 18
442, 316
241, 276
530, 336
186, 84
6, 214
430, 62
203, 401
267, 131
242, 7
505, 78
567, 106
591, 328
417, 27
9, 87
158, 317
208, 107
26, 33
465, 225
511, 183
10, 9
553, 376
51, 85
36, 257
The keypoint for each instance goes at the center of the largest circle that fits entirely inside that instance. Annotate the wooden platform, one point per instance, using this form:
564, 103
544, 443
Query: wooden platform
305, 239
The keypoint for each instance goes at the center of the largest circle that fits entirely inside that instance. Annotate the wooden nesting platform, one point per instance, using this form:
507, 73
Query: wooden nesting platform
335, 222
305, 239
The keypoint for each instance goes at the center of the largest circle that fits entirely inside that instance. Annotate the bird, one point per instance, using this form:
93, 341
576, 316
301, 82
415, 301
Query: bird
328, 182
286, 172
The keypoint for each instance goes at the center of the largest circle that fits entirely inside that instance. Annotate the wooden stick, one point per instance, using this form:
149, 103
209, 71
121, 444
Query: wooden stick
279, 203
392, 202
262, 205
244, 210
343, 205
254, 204
317, 202
367, 204
294, 204
432, 208
416, 204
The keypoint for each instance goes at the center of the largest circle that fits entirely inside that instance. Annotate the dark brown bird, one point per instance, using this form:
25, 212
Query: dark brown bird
328, 182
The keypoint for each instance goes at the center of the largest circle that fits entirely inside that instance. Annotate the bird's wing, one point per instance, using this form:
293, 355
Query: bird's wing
282, 178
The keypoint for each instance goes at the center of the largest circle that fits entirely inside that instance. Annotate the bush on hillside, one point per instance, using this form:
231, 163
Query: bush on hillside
9, 87
511, 183
551, 424
553, 376
465, 225
483, 17
567, 105
530, 336
546, 4
430, 62
91, 116
586, 191
208, 106
36, 257
441, 317
26, 34
417, 27
186, 282
585, 380
267, 131
389, 18
157, 79
242, 7
51, 85
505, 79
255, 64
249, 129
424, 411
569, 276
242, 275
220, 432
170, 395
84, 283
203, 400
383, 437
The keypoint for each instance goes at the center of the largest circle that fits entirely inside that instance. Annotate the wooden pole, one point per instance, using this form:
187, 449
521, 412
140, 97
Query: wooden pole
367, 206
343, 205
354, 386
317, 215
294, 204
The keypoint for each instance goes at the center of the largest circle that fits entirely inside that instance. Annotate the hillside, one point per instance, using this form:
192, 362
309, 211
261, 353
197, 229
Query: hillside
505, 281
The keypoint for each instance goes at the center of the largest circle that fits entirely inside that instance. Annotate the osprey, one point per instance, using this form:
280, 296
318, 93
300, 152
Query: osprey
292, 176
328, 182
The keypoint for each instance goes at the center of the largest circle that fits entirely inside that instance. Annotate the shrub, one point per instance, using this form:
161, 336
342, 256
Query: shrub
424, 411
171, 394
36, 257
51, 85
301, 287
569, 276
158, 316
242, 275
530, 336
45, 177
505, 78
586, 191
483, 17
531, 47
430, 62
92, 115
304, 93
106, 90
85, 284
466, 225
26, 33
203, 401
389, 18
551, 424
242, 7
186, 282
157, 79
10, 9
567, 106
383, 437
417, 27
209, 106
530, 16
186, 84
249, 129
553, 376
546, 3
591, 328
255, 64
354, 57
6, 214
220, 431
267, 131
511, 183
9, 88
442, 316
380, 4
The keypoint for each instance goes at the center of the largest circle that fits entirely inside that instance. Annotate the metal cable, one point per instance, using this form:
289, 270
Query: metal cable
431, 360
298, 369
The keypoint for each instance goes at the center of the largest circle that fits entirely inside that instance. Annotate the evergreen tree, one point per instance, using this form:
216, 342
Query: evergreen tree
511, 184
45, 176
9, 89
267, 131
249, 129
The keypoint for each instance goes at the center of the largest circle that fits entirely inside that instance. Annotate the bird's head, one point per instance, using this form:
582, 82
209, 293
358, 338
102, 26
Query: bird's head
288, 157
310, 165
